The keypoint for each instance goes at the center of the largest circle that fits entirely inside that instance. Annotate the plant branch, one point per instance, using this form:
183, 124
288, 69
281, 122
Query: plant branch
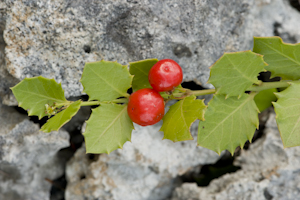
269, 85
186, 92
90, 103
255, 88
95, 103
202, 92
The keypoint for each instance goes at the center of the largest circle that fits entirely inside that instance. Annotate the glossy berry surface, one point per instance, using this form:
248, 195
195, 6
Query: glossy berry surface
146, 107
165, 75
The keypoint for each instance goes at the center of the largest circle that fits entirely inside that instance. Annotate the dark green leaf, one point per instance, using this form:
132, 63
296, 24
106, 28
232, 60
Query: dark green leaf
140, 70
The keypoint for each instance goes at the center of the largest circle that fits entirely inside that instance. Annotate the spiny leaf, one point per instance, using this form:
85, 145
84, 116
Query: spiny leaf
264, 99
34, 93
57, 121
283, 59
233, 73
105, 80
140, 70
108, 128
228, 123
287, 110
179, 118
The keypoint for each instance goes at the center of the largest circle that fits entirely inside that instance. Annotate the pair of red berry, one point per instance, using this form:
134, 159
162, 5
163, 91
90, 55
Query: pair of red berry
146, 106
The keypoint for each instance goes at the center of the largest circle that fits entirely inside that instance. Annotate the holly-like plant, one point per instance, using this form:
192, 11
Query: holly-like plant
228, 121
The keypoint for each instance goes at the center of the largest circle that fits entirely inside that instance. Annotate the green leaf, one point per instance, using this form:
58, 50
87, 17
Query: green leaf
105, 80
283, 59
265, 98
179, 118
228, 123
34, 93
58, 120
233, 73
108, 128
140, 70
287, 110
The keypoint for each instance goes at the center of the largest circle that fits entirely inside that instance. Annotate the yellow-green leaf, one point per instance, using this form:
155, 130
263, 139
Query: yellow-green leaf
229, 123
34, 93
105, 80
233, 73
179, 118
287, 110
283, 59
58, 120
265, 98
108, 128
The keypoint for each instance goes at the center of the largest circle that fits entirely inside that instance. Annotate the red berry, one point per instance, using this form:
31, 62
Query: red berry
165, 75
146, 107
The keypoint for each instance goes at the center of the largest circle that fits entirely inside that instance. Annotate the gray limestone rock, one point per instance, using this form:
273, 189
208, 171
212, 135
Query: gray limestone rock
276, 17
268, 172
144, 169
55, 38
6, 79
27, 157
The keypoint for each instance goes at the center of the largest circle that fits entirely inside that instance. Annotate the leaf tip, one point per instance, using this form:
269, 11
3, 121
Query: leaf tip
277, 94
12, 88
87, 151
107, 151
45, 129
249, 138
40, 116
161, 128
217, 91
241, 146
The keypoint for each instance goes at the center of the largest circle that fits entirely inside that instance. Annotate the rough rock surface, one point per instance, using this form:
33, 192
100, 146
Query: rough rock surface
268, 172
144, 169
276, 17
55, 38
6, 79
27, 157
